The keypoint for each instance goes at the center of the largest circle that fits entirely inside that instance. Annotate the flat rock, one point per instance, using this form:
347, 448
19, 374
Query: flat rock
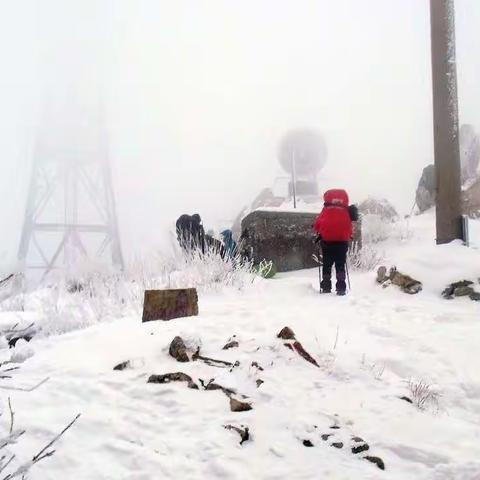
169, 304
173, 377
238, 406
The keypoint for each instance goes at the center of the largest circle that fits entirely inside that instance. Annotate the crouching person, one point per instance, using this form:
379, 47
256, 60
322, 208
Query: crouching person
334, 227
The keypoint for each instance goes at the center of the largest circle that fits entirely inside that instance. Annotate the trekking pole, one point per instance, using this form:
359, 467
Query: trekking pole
319, 275
348, 276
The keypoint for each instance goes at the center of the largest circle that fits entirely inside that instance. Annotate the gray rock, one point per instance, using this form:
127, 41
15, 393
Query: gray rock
463, 291
122, 366
359, 445
475, 296
377, 461
238, 406
173, 377
233, 344
286, 238
178, 350
425, 195
382, 276
307, 443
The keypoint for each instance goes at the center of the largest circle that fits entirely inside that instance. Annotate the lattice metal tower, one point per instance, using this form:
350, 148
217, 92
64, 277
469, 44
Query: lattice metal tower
71, 209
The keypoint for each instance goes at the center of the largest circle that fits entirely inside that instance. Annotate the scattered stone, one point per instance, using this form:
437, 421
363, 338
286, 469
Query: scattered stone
463, 288
337, 444
406, 283
256, 365
233, 344
170, 304
238, 406
259, 382
123, 366
360, 445
463, 291
382, 276
243, 432
377, 461
304, 354
173, 377
475, 296
335, 427
326, 436
178, 350
406, 399
286, 333
307, 443
12, 342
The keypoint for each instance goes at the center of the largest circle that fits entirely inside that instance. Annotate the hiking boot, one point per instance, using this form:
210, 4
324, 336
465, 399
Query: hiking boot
341, 293
325, 291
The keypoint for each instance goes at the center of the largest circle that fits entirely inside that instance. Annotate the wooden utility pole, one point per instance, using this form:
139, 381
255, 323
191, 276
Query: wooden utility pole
445, 119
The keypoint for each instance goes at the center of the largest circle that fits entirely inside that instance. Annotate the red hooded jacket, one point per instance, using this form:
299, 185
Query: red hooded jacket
334, 223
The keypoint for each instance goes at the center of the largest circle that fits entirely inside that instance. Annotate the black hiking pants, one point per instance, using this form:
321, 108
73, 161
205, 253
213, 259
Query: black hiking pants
334, 253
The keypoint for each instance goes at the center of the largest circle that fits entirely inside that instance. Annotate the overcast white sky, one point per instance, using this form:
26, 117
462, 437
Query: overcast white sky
199, 92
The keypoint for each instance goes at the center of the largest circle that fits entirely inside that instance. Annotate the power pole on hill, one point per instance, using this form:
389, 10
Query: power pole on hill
445, 120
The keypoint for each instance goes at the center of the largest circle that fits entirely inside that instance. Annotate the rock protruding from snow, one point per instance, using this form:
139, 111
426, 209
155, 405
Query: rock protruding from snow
243, 431
178, 350
406, 283
293, 344
380, 207
173, 377
286, 333
238, 406
463, 288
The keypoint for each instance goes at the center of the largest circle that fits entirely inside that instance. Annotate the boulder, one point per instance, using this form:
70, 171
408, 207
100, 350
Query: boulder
425, 195
380, 207
170, 304
286, 238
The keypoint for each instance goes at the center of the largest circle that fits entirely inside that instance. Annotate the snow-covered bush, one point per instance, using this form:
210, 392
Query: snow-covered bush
423, 395
93, 293
365, 259
375, 229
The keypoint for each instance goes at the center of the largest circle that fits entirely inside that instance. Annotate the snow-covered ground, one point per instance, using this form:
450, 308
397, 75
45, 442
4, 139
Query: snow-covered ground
370, 346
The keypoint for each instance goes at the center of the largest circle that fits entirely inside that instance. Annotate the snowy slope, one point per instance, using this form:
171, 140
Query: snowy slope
369, 345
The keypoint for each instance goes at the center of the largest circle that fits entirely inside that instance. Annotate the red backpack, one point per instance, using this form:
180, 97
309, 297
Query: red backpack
334, 223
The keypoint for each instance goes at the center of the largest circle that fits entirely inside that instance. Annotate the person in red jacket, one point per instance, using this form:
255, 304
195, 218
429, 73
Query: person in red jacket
334, 227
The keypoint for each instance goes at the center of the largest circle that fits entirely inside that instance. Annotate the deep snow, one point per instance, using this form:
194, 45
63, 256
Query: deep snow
369, 345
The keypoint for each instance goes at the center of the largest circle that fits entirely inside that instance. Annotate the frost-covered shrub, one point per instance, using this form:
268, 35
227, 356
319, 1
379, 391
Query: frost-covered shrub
365, 259
423, 395
93, 293
375, 229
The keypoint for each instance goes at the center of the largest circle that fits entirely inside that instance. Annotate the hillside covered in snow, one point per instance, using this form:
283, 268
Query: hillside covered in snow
386, 375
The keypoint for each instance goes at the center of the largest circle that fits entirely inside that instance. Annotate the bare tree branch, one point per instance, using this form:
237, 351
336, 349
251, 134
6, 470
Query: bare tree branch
12, 415
40, 455
31, 389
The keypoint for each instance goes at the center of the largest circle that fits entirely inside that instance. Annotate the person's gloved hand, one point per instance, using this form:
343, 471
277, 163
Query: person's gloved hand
318, 239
